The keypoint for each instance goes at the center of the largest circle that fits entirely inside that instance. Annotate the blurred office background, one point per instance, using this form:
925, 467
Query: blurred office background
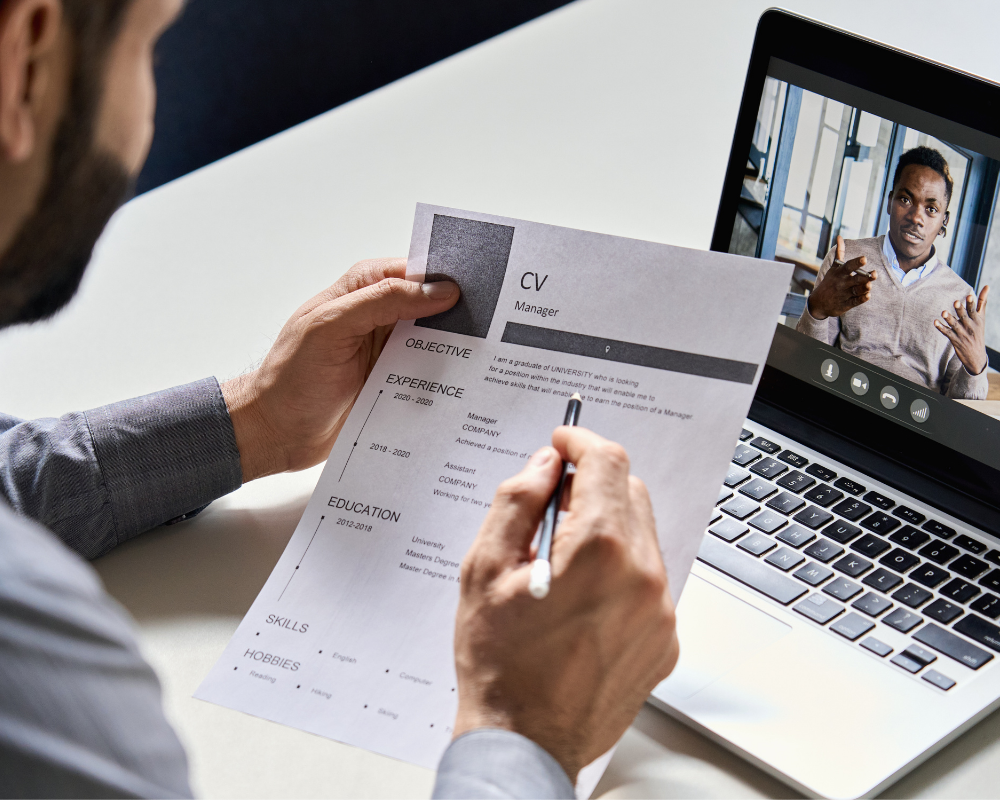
818, 168
232, 72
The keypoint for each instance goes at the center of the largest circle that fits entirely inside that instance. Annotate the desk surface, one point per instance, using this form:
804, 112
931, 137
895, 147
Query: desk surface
615, 117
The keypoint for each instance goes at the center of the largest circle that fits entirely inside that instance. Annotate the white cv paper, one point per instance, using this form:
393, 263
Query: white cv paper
351, 636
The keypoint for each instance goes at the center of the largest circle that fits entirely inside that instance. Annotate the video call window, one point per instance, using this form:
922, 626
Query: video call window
819, 168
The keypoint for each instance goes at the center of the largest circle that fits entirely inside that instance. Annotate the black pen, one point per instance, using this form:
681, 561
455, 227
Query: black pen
541, 568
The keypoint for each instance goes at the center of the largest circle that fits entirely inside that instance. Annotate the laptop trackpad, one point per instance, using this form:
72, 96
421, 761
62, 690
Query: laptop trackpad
717, 632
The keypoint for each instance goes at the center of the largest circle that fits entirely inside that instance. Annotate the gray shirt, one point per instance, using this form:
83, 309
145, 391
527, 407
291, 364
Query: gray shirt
80, 710
895, 329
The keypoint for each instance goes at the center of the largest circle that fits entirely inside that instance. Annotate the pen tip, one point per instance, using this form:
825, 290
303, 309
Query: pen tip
575, 396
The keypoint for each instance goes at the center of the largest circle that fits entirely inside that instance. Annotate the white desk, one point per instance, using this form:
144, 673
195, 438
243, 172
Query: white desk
615, 117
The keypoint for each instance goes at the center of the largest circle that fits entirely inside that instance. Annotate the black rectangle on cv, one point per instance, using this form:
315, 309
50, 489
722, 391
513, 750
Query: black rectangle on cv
641, 355
473, 254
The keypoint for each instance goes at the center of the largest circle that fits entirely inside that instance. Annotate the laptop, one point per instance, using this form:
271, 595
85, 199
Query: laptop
842, 621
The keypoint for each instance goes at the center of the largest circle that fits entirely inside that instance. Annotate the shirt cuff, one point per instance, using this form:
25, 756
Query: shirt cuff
165, 455
489, 762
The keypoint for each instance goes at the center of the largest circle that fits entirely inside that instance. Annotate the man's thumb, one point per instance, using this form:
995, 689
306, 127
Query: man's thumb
388, 301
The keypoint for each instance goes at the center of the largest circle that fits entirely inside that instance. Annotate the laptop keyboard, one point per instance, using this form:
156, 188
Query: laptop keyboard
856, 561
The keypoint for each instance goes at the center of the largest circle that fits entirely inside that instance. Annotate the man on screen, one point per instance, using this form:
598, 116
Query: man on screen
887, 299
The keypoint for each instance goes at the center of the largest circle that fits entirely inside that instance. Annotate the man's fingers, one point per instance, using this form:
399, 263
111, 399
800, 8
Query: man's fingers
945, 330
840, 248
601, 467
855, 265
982, 299
385, 303
518, 507
960, 313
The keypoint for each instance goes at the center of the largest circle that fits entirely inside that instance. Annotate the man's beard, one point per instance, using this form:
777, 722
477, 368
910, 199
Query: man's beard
42, 268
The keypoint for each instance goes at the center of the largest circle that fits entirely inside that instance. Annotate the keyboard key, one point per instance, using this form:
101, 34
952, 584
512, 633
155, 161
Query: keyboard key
757, 543
766, 445
758, 489
899, 560
745, 434
988, 605
745, 455
912, 596
852, 626
943, 611
872, 604
907, 663
877, 647
852, 565
970, 544
958, 590
813, 517
938, 529
819, 609
902, 620
969, 566
823, 550
740, 507
749, 571
728, 529
813, 574
993, 557
880, 523
870, 546
796, 536
883, 580
793, 458
935, 678
724, 494
841, 532
716, 516
823, 495
736, 476
910, 537
768, 521
952, 646
851, 509
796, 481
938, 552
821, 472
879, 500
786, 503
918, 654
785, 559
768, 468
911, 516
979, 630
842, 589
849, 486
929, 575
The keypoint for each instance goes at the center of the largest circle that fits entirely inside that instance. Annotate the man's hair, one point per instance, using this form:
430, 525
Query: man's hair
925, 157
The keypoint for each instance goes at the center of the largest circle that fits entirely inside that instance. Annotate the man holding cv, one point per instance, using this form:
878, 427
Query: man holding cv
544, 687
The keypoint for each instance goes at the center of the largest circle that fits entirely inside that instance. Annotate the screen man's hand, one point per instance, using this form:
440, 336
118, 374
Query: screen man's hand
966, 330
570, 671
843, 287
287, 413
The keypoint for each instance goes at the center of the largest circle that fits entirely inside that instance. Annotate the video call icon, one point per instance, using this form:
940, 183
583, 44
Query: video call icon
859, 383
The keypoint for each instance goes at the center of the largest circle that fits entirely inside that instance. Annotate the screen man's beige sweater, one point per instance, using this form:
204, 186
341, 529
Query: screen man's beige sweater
895, 329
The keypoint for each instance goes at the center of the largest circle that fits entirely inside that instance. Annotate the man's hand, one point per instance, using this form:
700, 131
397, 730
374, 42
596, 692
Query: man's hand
842, 288
966, 330
571, 671
287, 412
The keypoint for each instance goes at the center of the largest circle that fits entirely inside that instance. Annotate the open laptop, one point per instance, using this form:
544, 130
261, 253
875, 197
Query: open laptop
842, 622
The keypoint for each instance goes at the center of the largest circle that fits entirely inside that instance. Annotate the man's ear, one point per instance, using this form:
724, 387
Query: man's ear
29, 32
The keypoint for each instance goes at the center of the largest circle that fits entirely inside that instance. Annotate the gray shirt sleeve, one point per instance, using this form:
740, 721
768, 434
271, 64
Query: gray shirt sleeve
80, 710
488, 762
97, 478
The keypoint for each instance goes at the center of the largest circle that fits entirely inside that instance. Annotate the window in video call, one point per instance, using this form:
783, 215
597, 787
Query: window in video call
912, 194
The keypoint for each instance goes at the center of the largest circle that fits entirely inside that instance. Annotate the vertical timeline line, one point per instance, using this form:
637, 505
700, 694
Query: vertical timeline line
370, 410
302, 556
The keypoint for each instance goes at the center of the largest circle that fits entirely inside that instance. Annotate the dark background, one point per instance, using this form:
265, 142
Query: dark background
232, 72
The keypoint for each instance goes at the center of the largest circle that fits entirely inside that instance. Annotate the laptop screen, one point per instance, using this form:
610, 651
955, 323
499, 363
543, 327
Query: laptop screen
910, 194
